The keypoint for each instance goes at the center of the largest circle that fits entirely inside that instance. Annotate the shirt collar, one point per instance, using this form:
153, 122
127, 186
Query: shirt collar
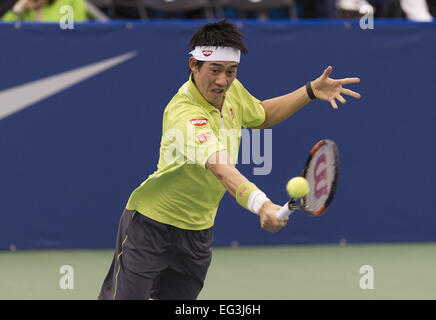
197, 96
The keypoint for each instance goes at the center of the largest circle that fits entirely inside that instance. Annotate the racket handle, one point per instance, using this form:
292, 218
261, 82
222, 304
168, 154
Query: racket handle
284, 212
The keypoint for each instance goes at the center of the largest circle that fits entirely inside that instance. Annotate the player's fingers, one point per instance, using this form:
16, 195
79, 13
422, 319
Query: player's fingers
350, 93
341, 98
334, 105
349, 80
327, 72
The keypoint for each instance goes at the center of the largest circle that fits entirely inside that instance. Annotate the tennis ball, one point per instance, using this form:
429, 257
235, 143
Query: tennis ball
298, 187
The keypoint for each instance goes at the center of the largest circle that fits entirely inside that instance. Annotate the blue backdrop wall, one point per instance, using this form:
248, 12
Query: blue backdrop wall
70, 159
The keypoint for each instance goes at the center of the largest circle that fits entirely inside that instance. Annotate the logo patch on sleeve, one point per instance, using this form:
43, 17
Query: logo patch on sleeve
203, 137
198, 122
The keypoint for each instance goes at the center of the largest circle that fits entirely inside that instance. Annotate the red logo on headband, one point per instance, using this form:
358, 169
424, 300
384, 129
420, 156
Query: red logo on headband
206, 53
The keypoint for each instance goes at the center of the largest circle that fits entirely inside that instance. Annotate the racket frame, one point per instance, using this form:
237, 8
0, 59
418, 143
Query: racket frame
292, 205
333, 188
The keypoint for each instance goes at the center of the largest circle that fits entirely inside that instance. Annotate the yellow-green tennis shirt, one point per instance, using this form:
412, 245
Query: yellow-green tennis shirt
182, 192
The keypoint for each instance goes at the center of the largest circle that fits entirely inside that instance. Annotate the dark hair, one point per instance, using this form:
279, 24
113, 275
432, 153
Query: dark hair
218, 34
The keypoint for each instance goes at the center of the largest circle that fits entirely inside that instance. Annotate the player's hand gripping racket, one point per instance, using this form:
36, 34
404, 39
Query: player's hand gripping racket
321, 171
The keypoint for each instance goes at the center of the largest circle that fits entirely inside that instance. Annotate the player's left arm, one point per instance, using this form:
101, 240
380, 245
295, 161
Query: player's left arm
324, 88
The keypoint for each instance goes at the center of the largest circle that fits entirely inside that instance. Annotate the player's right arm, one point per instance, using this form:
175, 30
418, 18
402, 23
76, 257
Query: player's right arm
324, 88
219, 164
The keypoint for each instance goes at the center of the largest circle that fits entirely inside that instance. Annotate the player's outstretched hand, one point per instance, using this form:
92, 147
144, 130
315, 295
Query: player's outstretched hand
268, 217
328, 89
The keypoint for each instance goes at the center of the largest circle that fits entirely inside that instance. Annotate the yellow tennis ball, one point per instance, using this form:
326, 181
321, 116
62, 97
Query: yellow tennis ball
298, 187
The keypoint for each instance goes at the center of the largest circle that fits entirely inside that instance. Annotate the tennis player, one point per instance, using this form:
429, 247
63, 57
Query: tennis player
164, 240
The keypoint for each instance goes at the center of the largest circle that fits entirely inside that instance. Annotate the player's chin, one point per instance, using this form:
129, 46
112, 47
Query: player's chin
215, 100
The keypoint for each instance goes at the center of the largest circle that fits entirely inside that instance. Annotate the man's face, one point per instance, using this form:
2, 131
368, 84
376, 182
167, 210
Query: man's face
213, 79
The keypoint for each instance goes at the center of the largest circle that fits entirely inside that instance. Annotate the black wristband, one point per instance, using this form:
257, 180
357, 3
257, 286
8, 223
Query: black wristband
310, 91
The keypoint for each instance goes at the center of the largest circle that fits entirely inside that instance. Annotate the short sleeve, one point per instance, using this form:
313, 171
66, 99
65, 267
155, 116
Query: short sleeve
253, 114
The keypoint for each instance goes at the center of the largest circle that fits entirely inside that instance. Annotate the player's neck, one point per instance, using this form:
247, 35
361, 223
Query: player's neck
219, 107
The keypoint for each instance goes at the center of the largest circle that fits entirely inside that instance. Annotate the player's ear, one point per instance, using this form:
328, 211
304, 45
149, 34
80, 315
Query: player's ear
193, 64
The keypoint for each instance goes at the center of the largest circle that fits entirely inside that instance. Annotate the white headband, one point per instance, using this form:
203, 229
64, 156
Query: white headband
216, 54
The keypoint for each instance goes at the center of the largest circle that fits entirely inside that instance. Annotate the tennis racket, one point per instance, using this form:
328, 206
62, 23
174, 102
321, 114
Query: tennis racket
321, 171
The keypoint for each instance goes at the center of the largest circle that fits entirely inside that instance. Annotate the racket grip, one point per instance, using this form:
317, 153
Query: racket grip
284, 212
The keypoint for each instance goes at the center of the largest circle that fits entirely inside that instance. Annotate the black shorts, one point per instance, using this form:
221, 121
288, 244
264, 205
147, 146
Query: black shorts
156, 260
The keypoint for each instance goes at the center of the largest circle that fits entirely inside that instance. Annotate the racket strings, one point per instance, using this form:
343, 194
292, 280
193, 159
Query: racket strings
321, 174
